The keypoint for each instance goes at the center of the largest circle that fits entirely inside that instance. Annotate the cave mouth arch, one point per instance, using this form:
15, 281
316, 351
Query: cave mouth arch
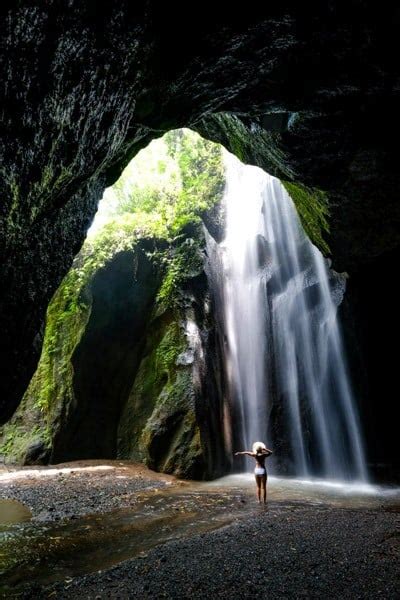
116, 311
239, 136
96, 88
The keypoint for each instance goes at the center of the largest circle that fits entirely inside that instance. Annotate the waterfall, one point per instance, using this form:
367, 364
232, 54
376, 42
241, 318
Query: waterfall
285, 360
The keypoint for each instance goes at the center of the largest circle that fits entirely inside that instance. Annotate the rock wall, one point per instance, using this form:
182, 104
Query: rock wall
173, 419
132, 369
92, 342
371, 331
106, 359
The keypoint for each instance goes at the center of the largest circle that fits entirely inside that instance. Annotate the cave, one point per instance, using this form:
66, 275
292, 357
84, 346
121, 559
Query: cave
199, 237
311, 100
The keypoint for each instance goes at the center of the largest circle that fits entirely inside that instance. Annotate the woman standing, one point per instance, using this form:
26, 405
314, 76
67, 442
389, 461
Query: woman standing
260, 452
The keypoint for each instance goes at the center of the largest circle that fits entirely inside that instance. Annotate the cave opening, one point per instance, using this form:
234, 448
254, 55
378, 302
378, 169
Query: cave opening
83, 109
135, 348
135, 340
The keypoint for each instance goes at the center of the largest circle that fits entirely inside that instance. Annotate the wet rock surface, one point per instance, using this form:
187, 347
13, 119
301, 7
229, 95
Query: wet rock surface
105, 361
131, 368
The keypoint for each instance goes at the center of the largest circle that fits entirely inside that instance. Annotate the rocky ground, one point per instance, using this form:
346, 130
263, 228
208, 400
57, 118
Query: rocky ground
289, 549
285, 552
72, 490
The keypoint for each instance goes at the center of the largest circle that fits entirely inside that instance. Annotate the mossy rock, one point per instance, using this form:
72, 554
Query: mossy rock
158, 424
313, 209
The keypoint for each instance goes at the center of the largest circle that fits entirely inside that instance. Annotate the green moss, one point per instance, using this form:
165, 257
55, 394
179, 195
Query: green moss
168, 433
313, 209
66, 319
47, 177
157, 373
256, 146
16, 439
51, 386
65, 175
180, 262
252, 146
168, 350
15, 200
54, 177
159, 424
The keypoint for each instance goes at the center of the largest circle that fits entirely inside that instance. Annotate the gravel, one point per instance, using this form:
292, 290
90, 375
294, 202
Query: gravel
81, 492
285, 552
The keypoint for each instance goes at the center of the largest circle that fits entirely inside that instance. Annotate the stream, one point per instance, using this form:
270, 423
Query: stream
42, 553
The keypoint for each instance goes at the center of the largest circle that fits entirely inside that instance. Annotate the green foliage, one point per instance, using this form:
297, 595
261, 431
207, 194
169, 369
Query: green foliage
313, 208
202, 175
171, 183
166, 188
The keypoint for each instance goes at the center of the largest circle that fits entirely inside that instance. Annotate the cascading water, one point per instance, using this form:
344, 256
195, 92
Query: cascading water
285, 360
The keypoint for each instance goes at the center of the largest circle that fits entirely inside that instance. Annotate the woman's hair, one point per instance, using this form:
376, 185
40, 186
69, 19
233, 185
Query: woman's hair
258, 446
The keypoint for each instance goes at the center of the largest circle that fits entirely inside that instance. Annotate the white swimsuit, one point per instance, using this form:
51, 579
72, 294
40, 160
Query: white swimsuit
260, 471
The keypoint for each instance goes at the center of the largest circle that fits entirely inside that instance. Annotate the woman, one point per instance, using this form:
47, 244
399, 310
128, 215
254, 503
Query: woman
259, 453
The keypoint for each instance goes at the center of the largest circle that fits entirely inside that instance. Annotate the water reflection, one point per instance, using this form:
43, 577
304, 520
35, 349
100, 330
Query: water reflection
323, 491
12, 511
43, 553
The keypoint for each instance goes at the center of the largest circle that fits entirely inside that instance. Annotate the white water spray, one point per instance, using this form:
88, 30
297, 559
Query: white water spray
285, 359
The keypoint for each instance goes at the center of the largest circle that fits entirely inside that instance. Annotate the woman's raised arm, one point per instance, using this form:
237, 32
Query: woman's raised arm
267, 451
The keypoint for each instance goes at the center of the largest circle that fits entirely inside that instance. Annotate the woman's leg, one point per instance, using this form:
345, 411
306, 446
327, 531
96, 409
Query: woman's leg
264, 487
258, 482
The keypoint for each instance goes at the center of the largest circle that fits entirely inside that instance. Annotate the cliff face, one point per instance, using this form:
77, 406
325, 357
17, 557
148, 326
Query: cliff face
371, 330
105, 360
131, 368
173, 417
90, 355
85, 86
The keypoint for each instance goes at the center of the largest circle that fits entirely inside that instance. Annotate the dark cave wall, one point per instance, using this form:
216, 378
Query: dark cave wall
67, 95
370, 323
356, 168
85, 86
32, 268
